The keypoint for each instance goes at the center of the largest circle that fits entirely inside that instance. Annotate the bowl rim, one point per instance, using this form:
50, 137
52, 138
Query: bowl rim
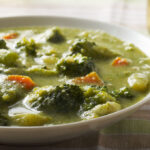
82, 122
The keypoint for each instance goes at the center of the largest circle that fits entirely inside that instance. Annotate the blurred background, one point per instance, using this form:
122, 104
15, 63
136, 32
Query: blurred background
131, 13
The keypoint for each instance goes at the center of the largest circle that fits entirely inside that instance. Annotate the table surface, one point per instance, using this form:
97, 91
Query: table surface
128, 134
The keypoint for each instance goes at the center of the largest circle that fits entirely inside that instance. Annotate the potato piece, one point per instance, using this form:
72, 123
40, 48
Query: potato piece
37, 69
101, 110
30, 119
138, 81
49, 60
107, 108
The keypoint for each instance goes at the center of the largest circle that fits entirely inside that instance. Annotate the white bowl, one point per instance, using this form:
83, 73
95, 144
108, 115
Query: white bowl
38, 135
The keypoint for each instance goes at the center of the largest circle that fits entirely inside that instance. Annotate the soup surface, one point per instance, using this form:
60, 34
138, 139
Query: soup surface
55, 75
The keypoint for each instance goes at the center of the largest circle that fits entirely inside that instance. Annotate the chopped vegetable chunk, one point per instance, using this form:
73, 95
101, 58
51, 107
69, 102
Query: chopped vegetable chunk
91, 78
8, 58
56, 36
75, 65
94, 96
11, 36
29, 46
138, 81
2, 44
64, 98
37, 70
122, 92
101, 110
30, 119
90, 49
84, 47
120, 62
11, 92
24, 80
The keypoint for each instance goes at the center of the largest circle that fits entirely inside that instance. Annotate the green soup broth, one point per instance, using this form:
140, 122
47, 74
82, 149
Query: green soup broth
48, 75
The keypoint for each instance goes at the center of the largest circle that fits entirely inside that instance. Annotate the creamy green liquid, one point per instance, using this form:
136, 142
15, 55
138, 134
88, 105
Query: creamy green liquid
113, 77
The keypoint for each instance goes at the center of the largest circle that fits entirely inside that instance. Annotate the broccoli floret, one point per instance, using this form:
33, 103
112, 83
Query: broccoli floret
75, 65
8, 57
60, 99
94, 96
123, 92
56, 36
10, 92
91, 49
97, 87
3, 120
2, 44
83, 46
29, 46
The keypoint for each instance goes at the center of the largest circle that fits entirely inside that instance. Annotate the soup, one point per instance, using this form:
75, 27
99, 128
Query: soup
55, 75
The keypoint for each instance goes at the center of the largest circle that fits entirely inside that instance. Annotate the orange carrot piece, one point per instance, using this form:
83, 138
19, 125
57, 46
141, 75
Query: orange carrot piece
120, 62
91, 78
11, 36
24, 80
